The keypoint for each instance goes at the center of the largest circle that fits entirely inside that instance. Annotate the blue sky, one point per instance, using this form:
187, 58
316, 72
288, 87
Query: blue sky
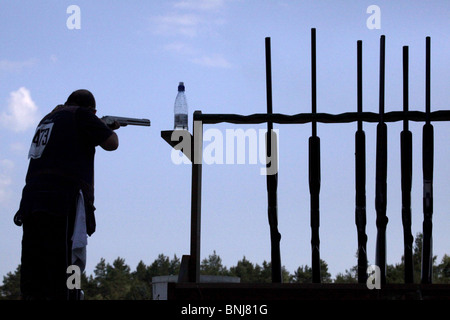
132, 54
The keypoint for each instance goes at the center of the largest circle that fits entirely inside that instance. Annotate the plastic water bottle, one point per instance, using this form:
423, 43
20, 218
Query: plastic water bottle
181, 109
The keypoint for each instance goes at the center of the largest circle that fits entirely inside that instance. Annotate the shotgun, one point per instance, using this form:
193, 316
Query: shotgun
360, 179
314, 170
381, 175
406, 177
427, 168
272, 179
109, 120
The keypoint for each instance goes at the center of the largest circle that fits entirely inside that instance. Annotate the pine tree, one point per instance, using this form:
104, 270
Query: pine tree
10, 290
213, 266
246, 271
303, 274
115, 282
443, 270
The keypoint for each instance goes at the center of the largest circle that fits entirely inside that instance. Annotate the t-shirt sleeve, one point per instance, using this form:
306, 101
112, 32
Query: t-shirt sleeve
93, 130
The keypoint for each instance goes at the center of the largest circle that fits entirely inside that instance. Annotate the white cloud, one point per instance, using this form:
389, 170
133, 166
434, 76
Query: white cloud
177, 24
15, 66
21, 113
200, 4
6, 168
179, 47
18, 147
216, 61
190, 19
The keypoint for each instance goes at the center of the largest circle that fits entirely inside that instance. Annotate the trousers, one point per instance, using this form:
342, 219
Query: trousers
46, 255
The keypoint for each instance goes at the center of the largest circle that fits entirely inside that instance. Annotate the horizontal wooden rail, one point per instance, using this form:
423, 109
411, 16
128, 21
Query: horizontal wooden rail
347, 117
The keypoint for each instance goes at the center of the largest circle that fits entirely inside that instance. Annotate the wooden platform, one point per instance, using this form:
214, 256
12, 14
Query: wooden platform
280, 292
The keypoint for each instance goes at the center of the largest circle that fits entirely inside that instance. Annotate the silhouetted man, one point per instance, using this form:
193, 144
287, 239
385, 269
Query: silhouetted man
57, 205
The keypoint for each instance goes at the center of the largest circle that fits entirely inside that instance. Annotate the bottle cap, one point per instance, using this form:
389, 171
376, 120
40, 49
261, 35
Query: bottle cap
181, 86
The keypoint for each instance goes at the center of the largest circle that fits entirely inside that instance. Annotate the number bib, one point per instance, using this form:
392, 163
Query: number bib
40, 140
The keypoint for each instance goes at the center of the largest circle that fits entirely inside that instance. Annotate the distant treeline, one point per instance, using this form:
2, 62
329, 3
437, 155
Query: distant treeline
116, 281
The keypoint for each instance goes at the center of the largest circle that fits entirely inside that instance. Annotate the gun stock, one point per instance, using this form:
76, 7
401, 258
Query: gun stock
272, 179
381, 175
406, 177
427, 168
360, 178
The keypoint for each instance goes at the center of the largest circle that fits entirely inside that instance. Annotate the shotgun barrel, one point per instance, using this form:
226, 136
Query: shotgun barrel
123, 121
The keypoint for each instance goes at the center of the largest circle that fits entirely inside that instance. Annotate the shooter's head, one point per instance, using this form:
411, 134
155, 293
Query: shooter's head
82, 98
